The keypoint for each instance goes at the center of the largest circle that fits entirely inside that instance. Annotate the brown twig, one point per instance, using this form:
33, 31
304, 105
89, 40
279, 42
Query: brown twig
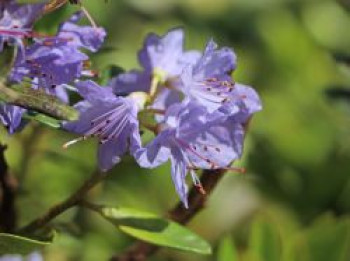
140, 250
59, 208
8, 214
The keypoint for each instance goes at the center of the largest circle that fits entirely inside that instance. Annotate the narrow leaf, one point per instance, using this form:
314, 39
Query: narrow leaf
42, 118
13, 244
265, 241
153, 229
227, 250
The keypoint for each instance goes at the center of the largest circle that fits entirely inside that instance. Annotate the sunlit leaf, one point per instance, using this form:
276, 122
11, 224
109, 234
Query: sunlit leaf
153, 229
13, 244
42, 118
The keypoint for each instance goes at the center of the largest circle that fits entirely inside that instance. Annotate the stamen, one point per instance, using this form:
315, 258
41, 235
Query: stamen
69, 143
197, 183
200, 189
155, 111
236, 169
88, 16
14, 32
108, 113
188, 147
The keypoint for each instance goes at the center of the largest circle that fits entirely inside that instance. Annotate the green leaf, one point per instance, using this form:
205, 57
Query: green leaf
44, 119
13, 244
265, 240
329, 239
153, 229
227, 250
109, 72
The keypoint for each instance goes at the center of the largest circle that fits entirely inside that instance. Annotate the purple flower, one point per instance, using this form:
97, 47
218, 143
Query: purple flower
161, 56
112, 119
11, 117
210, 84
87, 37
166, 54
49, 63
16, 21
193, 139
58, 60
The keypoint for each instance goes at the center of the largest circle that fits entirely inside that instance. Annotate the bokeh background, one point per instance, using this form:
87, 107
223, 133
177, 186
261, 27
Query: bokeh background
294, 202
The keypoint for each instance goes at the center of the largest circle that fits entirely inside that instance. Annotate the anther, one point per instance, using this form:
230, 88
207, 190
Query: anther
226, 83
211, 79
200, 189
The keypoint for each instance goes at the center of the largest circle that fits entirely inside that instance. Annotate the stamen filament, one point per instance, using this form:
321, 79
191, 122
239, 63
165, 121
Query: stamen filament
155, 111
69, 143
89, 17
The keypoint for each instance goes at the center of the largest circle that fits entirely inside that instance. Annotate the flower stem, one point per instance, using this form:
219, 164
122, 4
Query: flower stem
61, 207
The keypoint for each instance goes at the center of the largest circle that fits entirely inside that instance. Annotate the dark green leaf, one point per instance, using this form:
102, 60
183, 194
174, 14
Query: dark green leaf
13, 244
110, 72
153, 229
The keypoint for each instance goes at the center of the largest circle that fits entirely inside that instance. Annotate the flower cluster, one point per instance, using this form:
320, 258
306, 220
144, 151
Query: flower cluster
45, 62
198, 111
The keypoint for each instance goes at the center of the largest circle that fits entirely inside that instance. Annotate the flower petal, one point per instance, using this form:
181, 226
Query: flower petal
215, 62
94, 93
133, 81
155, 153
110, 152
178, 174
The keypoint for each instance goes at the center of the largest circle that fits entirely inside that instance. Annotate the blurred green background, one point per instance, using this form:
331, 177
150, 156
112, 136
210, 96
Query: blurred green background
293, 203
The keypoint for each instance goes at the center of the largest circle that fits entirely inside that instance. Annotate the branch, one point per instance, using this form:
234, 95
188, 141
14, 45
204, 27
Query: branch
8, 214
61, 207
140, 250
37, 100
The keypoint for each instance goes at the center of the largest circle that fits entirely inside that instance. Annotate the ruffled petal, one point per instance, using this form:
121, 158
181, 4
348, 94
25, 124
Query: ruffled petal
133, 81
155, 153
11, 117
94, 93
87, 37
215, 62
110, 152
163, 53
178, 174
